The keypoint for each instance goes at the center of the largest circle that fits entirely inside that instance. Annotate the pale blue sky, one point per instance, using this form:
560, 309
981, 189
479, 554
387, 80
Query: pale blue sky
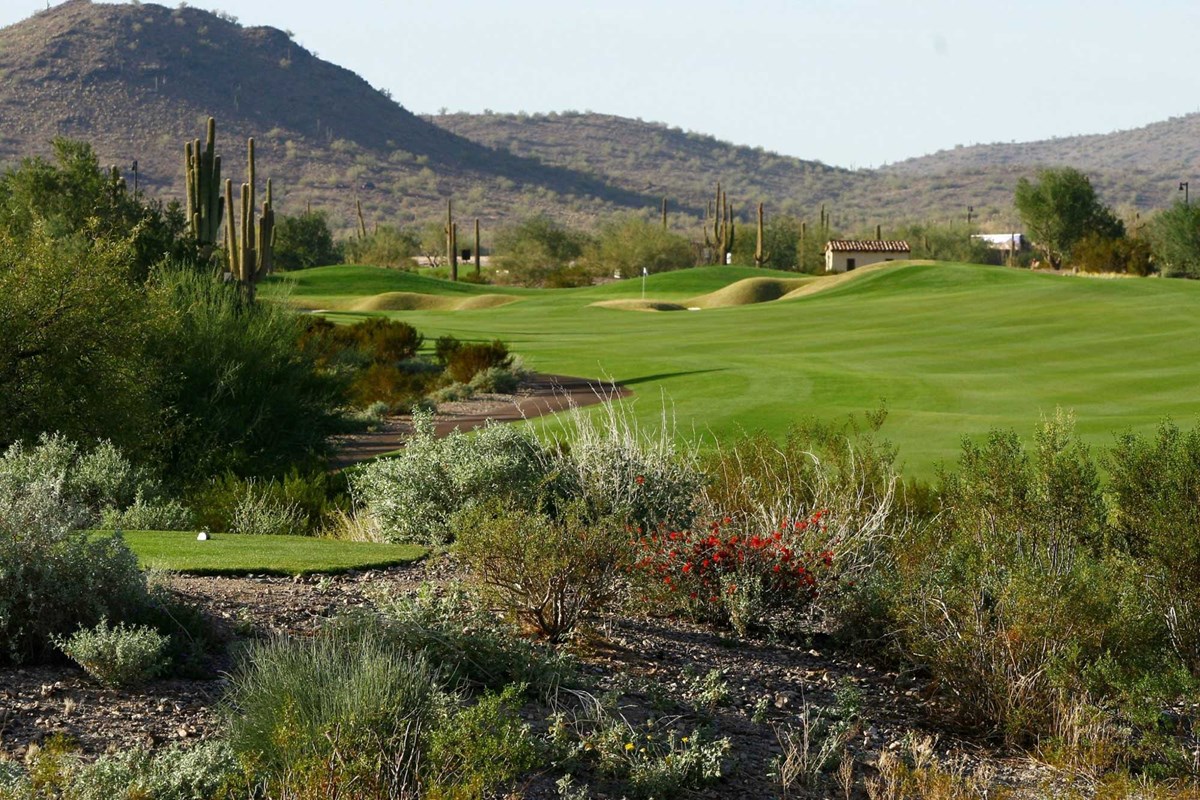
855, 83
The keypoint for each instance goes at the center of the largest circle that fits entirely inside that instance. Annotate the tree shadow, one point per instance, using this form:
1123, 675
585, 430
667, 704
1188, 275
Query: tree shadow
662, 376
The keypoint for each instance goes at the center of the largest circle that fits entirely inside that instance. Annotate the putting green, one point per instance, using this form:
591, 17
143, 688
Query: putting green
233, 554
952, 349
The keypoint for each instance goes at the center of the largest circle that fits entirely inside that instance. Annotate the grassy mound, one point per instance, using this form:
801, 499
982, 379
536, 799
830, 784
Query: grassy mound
749, 291
413, 301
233, 554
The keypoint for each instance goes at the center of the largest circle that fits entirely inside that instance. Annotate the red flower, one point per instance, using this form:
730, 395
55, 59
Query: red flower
640, 480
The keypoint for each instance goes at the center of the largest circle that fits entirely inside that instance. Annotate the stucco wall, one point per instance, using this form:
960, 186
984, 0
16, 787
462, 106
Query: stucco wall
836, 261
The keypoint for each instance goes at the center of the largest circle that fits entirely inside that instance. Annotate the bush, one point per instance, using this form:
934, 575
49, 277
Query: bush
1154, 516
116, 656
631, 244
305, 241
547, 573
299, 504
477, 749
618, 470
537, 248
470, 644
1011, 600
201, 772
343, 714
745, 576
148, 515
650, 760
496, 380
386, 246
414, 494
53, 577
91, 482
466, 361
246, 397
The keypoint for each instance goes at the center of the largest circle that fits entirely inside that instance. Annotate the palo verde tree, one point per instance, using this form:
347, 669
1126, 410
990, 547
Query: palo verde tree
1059, 208
1175, 239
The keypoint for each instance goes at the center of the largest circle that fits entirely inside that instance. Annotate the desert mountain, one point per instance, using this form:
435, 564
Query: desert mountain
138, 80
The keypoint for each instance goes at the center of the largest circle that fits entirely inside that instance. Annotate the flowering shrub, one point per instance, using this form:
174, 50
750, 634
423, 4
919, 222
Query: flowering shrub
117, 655
734, 573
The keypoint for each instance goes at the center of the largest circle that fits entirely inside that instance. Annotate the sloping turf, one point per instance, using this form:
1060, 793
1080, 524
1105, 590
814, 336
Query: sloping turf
953, 349
233, 554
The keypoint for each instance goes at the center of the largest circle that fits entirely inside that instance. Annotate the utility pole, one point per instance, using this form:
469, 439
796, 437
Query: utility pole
1183, 187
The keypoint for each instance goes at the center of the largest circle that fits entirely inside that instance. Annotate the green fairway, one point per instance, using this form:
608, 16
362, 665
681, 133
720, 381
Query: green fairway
953, 349
233, 554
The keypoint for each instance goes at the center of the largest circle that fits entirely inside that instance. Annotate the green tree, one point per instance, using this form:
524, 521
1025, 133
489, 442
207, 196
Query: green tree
305, 241
74, 197
73, 341
1175, 239
243, 393
629, 243
1060, 208
539, 250
387, 246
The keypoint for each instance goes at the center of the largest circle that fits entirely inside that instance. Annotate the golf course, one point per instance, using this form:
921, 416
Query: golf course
951, 349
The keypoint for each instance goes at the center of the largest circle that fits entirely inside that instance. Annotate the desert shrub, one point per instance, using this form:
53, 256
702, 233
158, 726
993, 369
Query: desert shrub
305, 241
201, 772
737, 574
386, 246
630, 244
453, 393
55, 578
1010, 599
476, 749
245, 396
654, 759
1154, 515
342, 714
445, 347
414, 494
385, 340
92, 481
397, 386
547, 573
841, 466
453, 630
298, 504
118, 655
617, 469
497, 380
468, 360
148, 515
535, 249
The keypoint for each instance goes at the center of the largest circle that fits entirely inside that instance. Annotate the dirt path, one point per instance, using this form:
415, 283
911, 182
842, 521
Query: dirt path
541, 394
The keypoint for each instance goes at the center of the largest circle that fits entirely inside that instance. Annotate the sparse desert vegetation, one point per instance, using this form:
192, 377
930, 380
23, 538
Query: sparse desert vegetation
923, 530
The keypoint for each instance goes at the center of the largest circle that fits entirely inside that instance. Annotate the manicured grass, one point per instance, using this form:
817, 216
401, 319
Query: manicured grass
233, 554
952, 349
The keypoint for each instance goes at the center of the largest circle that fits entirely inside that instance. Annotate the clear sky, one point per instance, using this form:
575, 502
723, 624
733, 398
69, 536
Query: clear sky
855, 83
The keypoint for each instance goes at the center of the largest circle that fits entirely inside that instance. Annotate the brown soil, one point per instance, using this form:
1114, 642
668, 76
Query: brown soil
541, 394
651, 661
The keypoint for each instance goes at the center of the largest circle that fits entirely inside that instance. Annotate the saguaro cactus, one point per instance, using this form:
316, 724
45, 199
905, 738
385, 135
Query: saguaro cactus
451, 231
760, 258
251, 245
664, 213
205, 206
719, 223
476, 251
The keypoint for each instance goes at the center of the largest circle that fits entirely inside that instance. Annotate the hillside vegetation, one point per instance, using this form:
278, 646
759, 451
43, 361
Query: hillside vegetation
137, 80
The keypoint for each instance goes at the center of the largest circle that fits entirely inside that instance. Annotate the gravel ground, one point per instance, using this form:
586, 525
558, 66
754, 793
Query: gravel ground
653, 662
